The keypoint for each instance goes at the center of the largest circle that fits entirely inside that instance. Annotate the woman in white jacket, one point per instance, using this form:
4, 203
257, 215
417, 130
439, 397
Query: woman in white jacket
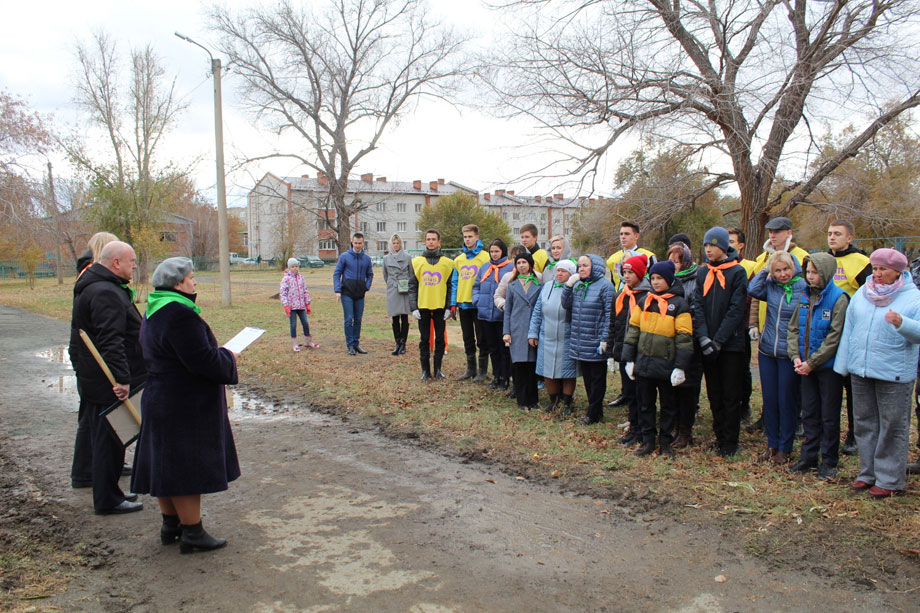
879, 349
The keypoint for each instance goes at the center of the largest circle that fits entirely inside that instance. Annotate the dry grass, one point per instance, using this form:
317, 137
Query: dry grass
773, 509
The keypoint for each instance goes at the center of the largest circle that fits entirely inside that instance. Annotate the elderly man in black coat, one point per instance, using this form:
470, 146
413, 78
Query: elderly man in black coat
103, 307
185, 447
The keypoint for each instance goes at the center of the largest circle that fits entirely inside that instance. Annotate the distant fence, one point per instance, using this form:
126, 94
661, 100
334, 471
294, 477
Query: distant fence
12, 270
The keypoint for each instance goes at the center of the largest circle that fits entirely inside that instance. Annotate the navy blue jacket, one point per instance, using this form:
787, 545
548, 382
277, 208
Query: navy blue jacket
353, 274
590, 305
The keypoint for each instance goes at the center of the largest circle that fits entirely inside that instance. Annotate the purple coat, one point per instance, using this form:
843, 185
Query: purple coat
185, 445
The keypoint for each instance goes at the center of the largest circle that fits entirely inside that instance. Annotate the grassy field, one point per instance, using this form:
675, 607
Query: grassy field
771, 511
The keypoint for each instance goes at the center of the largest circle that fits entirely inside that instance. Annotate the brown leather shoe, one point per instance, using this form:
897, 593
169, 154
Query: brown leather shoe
766, 455
684, 437
880, 492
781, 458
860, 485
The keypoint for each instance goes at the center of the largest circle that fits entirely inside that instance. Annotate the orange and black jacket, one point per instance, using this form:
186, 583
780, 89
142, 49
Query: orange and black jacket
660, 334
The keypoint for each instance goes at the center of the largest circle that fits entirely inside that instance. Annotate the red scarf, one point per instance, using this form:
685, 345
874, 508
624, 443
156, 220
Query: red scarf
715, 272
496, 268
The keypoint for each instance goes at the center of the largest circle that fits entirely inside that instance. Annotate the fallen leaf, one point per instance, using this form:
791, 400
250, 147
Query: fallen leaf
721, 578
520, 479
491, 480
556, 474
911, 552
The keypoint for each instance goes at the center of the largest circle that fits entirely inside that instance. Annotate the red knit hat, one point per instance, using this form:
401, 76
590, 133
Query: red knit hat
638, 264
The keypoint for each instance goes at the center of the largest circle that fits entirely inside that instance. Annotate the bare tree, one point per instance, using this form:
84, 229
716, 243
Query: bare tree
742, 80
337, 78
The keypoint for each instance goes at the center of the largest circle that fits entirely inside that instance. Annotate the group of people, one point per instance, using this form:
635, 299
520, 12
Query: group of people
822, 323
184, 447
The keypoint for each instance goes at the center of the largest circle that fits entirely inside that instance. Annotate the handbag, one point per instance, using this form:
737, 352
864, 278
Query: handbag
402, 286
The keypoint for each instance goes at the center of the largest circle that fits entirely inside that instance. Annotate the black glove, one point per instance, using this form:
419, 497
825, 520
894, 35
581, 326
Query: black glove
710, 348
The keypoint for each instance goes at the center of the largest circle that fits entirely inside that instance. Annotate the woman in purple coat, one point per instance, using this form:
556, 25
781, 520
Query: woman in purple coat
185, 448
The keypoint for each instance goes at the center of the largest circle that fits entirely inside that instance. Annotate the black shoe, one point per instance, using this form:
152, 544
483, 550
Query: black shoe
359, 350
351, 351
666, 451
194, 538
629, 438
644, 450
727, 451
123, 507
566, 405
396, 351
849, 447
553, 401
126, 470
618, 401
438, 375
804, 466
588, 421
402, 347
511, 394
131, 497
757, 426
827, 472
426, 369
79, 483
170, 530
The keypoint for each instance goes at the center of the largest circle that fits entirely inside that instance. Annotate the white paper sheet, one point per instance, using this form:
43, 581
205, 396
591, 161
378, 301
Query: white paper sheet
243, 339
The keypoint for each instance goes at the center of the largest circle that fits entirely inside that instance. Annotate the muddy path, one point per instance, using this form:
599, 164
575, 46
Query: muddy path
330, 515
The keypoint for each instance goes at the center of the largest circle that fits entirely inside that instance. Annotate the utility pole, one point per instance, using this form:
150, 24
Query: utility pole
223, 239
56, 218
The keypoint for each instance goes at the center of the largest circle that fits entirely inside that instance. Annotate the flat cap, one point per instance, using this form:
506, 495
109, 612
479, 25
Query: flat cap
171, 272
779, 223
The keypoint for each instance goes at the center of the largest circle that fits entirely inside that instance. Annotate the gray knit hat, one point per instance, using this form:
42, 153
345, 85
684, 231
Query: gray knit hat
171, 272
293, 262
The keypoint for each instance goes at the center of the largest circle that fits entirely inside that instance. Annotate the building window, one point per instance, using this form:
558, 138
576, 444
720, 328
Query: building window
505, 216
381, 207
400, 207
515, 217
245, 239
327, 245
381, 226
168, 237
543, 231
516, 231
542, 216
400, 226
381, 245
418, 228
364, 227
418, 207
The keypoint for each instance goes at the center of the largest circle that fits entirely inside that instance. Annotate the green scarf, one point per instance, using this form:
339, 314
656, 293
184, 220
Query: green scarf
130, 291
787, 287
582, 285
531, 277
557, 284
158, 299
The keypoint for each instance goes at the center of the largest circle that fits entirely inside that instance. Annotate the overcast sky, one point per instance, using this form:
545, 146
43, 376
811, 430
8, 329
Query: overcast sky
437, 141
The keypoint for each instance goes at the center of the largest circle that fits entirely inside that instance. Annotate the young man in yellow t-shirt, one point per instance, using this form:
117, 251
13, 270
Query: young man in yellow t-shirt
466, 267
853, 270
629, 241
529, 240
430, 291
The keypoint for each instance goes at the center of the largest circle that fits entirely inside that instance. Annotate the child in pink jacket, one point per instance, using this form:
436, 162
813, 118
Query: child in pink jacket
296, 301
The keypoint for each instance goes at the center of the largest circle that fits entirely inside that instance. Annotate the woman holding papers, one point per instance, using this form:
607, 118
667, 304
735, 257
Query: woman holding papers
185, 447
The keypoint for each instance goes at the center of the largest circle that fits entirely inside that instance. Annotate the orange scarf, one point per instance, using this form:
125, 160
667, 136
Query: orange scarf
661, 299
496, 268
715, 272
627, 291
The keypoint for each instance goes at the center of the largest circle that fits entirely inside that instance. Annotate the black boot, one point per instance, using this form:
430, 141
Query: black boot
194, 538
496, 383
483, 375
398, 346
470, 368
426, 369
566, 405
170, 530
437, 367
553, 401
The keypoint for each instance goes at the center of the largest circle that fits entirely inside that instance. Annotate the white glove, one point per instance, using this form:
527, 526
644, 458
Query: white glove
677, 377
446, 314
417, 314
573, 279
630, 366
753, 333
602, 348
611, 365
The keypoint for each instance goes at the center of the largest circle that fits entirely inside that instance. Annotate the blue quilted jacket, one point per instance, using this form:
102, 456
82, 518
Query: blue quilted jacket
484, 290
589, 304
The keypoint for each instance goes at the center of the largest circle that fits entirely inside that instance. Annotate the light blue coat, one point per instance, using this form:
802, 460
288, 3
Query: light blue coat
549, 326
871, 347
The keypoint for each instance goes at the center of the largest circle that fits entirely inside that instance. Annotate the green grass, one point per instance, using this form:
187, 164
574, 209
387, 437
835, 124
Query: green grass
768, 505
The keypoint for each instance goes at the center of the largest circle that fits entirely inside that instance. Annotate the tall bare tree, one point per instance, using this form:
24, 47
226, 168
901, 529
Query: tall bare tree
740, 80
130, 186
337, 77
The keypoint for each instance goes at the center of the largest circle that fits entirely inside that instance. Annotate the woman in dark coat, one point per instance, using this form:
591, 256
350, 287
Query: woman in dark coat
185, 447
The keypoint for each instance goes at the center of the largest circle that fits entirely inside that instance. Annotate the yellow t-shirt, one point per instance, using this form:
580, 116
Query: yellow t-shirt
748, 266
466, 274
432, 281
539, 260
848, 267
616, 260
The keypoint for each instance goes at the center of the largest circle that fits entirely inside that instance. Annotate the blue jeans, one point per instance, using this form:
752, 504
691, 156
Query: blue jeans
353, 308
780, 405
302, 314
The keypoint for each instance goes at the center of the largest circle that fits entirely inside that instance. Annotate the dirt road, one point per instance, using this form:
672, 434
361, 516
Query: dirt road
331, 516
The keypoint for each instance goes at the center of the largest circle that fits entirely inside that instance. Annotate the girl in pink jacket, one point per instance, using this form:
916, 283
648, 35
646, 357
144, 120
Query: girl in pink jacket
296, 301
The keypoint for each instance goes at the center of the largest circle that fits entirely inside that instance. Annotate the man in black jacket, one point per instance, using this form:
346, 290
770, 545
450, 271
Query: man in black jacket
103, 307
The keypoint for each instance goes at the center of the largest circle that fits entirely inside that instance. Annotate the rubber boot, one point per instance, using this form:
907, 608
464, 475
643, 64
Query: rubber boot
170, 530
684, 437
553, 401
470, 368
194, 538
483, 375
398, 345
437, 374
566, 405
426, 369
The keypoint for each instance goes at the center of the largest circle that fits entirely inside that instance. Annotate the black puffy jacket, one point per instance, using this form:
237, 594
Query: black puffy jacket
102, 306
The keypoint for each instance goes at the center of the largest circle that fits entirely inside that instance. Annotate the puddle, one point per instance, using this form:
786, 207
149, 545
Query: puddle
56, 355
